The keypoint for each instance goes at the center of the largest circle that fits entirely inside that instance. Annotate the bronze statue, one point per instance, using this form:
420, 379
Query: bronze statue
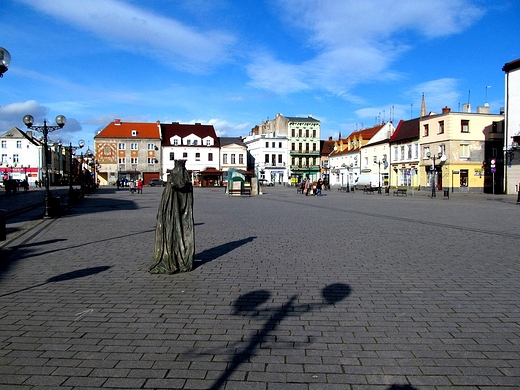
175, 233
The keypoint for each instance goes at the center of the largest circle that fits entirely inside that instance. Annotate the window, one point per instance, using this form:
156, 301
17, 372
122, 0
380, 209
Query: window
280, 159
188, 142
416, 151
185, 155
426, 130
299, 133
175, 142
208, 142
464, 126
441, 127
122, 160
293, 134
402, 152
134, 133
195, 142
409, 147
151, 160
150, 147
133, 160
4, 144
313, 133
307, 147
121, 146
210, 156
300, 147
133, 146
293, 146
266, 158
18, 144
15, 158
273, 145
464, 150
396, 153
280, 145
293, 161
197, 156
224, 158
4, 158
273, 159
172, 156
313, 147
241, 158
307, 133
267, 144
426, 151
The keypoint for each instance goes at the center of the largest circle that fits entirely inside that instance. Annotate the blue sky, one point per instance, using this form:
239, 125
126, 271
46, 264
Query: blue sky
231, 63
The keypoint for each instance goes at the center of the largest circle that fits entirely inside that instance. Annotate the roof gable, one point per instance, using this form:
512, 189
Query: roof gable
186, 130
139, 130
406, 130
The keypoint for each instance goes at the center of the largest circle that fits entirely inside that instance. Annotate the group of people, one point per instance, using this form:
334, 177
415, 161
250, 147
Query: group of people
312, 188
133, 185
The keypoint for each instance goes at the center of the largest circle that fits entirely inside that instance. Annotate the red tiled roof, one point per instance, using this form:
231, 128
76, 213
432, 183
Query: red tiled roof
511, 65
406, 130
183, 130
119, 129
365, 134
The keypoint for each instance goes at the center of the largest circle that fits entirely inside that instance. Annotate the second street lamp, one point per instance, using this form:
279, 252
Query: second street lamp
28, 120
434, 171
72, 150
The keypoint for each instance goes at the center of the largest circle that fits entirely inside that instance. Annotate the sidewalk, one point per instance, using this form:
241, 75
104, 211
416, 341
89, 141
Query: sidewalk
343, 291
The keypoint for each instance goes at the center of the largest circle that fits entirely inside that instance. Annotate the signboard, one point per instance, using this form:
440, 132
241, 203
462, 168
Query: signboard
456, 172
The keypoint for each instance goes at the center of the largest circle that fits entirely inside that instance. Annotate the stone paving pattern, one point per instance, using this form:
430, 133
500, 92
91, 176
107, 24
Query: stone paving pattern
343, 291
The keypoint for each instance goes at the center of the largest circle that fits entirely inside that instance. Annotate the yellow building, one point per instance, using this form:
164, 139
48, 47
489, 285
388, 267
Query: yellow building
455, 149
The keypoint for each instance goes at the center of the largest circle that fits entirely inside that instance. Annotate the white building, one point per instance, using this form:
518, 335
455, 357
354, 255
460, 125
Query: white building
197, 144
21, 156
512, 127
269, 155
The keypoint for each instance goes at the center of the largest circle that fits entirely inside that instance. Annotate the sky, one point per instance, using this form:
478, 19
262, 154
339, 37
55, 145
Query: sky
231, 63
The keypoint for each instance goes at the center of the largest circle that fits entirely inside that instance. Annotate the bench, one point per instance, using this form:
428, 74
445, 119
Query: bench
400, 191
343, 189
369, 190
240, 191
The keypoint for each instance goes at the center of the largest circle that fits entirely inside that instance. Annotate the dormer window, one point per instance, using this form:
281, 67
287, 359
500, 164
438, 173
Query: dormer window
134, 133
188, 142
195, 142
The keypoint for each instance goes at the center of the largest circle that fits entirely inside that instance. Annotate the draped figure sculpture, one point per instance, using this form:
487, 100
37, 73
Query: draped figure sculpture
174, 235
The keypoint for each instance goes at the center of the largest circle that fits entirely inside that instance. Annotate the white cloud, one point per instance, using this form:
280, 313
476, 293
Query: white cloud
142, 32
224, 128
12, 114
356, 41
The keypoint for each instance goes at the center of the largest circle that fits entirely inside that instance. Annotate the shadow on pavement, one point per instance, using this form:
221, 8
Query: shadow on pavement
214, 253
63, 277
249, 305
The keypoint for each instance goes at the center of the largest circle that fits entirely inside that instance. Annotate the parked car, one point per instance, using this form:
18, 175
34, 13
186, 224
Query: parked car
157, 182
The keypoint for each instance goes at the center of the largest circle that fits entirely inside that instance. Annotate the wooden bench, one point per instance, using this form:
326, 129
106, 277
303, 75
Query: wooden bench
240, 191
369, 190
400, 191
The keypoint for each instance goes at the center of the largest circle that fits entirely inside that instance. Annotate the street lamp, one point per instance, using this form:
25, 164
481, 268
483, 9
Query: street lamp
45, 130
379, 162
5, 61
72, 150
434, 174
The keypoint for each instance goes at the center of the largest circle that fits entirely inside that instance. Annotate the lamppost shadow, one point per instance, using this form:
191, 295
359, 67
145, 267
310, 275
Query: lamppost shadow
250, 305
80, 273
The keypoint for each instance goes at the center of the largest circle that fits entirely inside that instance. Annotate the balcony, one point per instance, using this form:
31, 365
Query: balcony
304, 152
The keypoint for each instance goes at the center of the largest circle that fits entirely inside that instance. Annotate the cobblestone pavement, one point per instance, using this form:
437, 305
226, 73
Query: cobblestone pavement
343, 291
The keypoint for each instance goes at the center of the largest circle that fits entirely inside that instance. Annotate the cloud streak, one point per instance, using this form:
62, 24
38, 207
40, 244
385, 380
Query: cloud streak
135, 30
355, 42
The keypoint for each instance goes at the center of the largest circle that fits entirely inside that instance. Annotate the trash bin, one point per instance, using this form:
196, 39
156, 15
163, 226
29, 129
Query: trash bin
3, 229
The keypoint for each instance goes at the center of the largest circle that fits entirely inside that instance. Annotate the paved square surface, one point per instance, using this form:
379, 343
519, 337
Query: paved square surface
343, 291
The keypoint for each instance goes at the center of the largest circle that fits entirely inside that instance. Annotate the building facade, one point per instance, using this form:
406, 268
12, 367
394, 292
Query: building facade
128, 150
197, 144
268, 157
233, 154
453, 150
404, 154
511, 149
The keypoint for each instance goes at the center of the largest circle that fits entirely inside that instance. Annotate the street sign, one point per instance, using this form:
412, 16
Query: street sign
493, 170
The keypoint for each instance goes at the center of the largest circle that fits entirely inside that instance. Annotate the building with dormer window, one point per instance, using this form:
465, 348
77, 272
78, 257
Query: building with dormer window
197, 144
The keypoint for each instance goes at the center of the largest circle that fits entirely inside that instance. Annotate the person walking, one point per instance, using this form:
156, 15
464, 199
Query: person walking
307, 186
132, 186
139, 186
319, 186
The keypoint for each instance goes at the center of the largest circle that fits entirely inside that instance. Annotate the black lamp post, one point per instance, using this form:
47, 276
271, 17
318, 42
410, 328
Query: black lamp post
72, 150
5, 61
45, 130
379, 162
434, 171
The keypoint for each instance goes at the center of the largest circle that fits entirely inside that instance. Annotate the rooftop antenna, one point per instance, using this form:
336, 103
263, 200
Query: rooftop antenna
469, 94
487, 104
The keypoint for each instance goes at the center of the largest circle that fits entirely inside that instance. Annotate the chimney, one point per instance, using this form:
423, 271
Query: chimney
446, 110
117, 122
29, 133
330, 138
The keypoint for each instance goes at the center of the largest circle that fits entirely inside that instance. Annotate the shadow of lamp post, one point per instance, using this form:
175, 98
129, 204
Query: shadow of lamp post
5, 61
28, 120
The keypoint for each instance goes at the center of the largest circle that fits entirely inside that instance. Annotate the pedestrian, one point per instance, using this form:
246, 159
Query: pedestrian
132, 186
307, 186
319, 187
139, 186
118, 183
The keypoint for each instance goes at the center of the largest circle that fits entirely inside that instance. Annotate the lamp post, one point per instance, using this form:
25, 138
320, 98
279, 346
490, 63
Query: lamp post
379, 162
28, 120
72, 150
434, 174
5, 61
